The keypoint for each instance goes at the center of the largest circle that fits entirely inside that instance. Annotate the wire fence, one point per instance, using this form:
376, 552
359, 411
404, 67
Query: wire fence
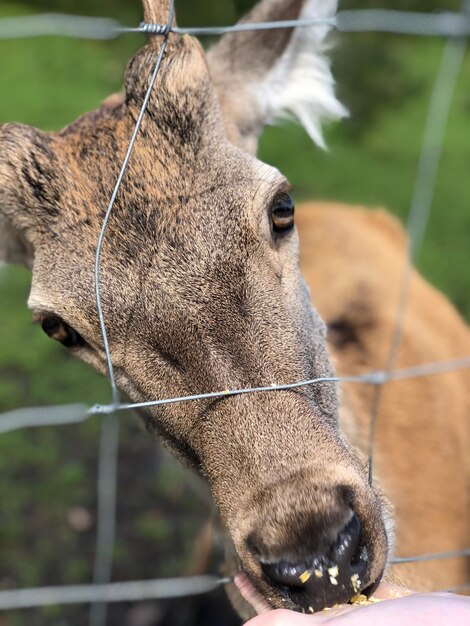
443, 24
455, 27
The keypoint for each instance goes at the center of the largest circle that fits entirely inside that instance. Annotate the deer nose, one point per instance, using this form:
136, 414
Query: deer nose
323, 579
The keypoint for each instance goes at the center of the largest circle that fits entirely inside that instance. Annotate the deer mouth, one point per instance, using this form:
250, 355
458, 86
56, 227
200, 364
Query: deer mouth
324, 580
312, 543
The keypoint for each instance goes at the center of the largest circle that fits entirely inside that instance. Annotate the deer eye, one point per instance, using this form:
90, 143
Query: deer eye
57, 329
282, 213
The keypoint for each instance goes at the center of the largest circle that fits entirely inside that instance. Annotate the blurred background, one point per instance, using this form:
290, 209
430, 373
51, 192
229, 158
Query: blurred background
48, 476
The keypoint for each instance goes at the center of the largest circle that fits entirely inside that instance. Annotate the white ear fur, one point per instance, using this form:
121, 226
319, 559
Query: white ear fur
301, 83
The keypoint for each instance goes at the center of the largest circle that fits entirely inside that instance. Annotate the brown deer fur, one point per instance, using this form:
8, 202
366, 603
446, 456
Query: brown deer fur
199, 293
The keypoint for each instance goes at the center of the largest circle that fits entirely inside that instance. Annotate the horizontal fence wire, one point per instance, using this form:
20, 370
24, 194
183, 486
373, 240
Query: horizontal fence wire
432, 556
373, 378
443, 24
167, 588
132, 591
58, 24
66, 414
450, 25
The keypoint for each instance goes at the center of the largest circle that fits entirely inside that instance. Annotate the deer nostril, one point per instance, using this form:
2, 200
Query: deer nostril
287, 573
328, 578
347, 544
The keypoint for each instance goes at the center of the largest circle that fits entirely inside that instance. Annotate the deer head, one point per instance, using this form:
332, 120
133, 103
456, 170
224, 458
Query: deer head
202, 291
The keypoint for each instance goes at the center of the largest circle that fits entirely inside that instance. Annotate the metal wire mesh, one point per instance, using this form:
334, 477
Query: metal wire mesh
455, 27
443, 24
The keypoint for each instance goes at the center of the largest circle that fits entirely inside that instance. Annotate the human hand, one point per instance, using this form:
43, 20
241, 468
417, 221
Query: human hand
400, 606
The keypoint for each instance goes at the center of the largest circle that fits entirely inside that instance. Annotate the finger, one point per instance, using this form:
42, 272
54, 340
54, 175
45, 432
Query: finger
250, 594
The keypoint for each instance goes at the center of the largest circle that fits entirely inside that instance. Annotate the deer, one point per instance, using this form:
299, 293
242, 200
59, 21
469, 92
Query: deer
353, 260
201, 290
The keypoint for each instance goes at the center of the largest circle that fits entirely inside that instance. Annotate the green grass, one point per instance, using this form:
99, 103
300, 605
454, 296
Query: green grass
49, 82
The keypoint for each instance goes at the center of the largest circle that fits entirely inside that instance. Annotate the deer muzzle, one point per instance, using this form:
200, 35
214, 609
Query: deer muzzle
308, 529
319, 547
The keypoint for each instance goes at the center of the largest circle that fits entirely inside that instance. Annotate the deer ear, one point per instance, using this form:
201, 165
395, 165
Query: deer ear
27, 192
265, 76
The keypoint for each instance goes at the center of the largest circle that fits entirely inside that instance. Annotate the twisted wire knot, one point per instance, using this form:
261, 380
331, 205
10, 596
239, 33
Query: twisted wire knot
154, 29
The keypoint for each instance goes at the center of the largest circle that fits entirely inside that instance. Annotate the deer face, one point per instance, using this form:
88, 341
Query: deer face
201, 291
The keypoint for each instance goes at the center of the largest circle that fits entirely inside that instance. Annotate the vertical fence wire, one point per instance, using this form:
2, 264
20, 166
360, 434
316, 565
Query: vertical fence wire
109, 443
428, 165
106, 512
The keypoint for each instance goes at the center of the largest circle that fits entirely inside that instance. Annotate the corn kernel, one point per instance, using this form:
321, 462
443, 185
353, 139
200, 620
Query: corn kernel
305, 576
356, 583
